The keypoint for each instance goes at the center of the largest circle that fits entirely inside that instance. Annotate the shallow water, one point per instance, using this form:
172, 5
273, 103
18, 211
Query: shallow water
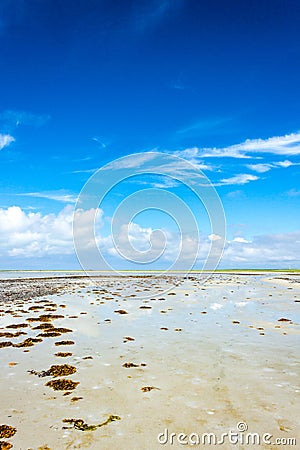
215, 354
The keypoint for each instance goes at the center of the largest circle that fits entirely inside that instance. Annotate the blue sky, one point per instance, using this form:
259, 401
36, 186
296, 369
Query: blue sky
84, 83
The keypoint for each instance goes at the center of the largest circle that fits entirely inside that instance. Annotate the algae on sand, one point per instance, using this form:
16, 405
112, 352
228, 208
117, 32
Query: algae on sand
79, 424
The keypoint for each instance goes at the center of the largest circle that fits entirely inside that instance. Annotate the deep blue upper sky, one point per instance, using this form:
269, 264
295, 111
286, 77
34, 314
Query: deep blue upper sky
84, 82
138, 72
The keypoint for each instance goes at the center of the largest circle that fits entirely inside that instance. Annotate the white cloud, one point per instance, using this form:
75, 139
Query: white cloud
31, 234
130, 163
240, 239
34, 235
214, 237
165, 183
191, 154
5, 140
59, 196
285, 163
277, 145
274, 249
260, 168
146, 244
242, 178
265, 167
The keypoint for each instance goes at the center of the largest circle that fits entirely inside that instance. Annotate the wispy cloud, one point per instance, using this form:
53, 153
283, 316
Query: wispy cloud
177, 85
265, 167
59, 196
191, 154
240, 179
11, 119
237, 194
152, 12
5, 140
161, 182
204, 126
277, 145
85, 170
293, 193
260, 168
101, 141
129, 163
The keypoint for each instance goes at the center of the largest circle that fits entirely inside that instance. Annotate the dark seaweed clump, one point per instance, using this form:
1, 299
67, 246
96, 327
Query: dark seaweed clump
129, 365
6, 431
149, 388
5, 445
65, 343
29, 342
56, 371
62, 384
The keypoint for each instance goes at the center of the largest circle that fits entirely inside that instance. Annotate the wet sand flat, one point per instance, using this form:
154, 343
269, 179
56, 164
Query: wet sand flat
112, 362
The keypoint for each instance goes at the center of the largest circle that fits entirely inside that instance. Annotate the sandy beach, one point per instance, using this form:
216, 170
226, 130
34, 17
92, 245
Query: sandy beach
114, 362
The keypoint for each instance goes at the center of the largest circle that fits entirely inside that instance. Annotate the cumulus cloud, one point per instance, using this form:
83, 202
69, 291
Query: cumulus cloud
167, 248
5, 140
34, 235
274, 249
240, 239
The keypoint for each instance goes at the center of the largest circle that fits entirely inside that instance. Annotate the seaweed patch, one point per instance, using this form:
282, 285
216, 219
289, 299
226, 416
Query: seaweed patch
62, 384
55, 371
129, 365
29, 342
6, 344
149, 388
5, 445
18, 325
65, 343
6, 431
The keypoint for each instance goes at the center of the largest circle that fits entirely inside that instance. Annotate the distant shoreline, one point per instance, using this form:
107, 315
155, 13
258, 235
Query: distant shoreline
73, 271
